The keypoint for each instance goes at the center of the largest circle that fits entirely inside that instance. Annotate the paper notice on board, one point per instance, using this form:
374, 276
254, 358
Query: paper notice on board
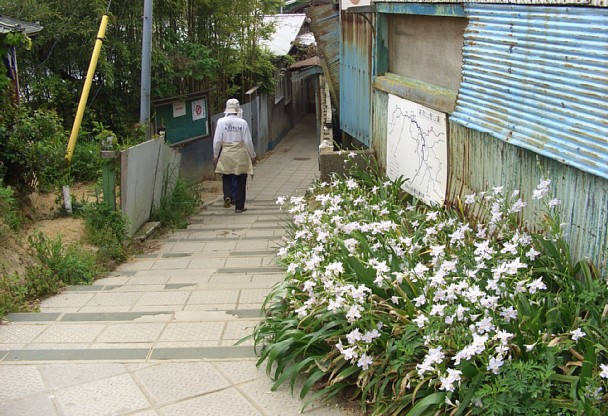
179, 108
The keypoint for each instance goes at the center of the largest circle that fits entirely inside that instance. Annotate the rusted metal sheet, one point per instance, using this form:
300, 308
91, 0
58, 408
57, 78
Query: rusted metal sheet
356, 75
479, 162
325, 24
380, 131
537, 77
596, 3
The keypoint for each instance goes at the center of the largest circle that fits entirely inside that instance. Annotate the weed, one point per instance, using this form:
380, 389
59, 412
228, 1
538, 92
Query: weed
177, 202
9, 213
12, 294
106, 229
58, 266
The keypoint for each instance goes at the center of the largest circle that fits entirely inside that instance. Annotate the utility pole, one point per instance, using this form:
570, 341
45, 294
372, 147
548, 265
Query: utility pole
146, 63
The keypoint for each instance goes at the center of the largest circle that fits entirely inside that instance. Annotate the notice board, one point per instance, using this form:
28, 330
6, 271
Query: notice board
183, 119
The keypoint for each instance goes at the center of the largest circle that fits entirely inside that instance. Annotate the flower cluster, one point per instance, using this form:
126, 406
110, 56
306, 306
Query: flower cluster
376, 264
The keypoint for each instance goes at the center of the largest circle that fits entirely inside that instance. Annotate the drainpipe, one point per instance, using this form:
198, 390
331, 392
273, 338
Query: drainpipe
87, 87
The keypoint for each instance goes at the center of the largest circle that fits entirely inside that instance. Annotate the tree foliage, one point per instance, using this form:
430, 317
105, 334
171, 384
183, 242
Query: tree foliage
197, 44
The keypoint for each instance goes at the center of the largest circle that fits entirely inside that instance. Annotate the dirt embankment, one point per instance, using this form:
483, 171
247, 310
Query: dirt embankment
43, 215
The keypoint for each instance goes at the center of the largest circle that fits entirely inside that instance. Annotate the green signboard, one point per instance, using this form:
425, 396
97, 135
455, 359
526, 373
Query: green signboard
183, 119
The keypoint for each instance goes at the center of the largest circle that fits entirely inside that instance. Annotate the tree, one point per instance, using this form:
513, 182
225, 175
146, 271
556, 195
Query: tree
197, 44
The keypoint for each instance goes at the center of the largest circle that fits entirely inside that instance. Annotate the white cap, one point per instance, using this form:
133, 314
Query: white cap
232, 106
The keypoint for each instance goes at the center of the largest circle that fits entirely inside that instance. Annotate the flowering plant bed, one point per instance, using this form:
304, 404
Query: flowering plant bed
416, 310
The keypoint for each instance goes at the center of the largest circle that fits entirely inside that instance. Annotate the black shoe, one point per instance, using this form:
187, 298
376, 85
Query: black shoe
238, 211
227, 202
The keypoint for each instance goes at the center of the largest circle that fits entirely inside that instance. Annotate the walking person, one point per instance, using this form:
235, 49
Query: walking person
233, 154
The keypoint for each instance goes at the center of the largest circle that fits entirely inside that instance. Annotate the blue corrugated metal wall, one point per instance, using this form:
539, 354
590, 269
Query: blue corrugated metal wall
355, 73
537, 77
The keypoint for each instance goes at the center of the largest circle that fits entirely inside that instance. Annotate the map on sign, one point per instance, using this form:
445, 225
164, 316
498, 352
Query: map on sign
417, 149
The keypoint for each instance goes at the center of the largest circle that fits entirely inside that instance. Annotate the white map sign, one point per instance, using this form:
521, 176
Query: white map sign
417, 149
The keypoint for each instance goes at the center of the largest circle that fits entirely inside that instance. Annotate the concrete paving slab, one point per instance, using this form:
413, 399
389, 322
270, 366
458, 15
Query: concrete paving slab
69, 333
163, 298
224, 402
164, 383
114, 395
59, 376
114, 299
130, 333
20, 381
19, 334
206, 297
41, 405
192, 331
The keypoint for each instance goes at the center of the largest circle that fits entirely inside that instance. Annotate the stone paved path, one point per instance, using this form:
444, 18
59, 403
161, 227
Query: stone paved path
156, 337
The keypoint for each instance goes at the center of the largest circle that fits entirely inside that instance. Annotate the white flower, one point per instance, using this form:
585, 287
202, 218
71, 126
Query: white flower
352, 184
420, 269
431, 216
302, 312
577, 334
604, 372
509, 313
369, 336
485, 325
353, 336
517, 207
495, 364
364, 362
532, 254
421, 320
536, 285
437, 251
554, 202
335, 268
420, 300
353, 313
447, 382
350, 353
281, 200
469, 199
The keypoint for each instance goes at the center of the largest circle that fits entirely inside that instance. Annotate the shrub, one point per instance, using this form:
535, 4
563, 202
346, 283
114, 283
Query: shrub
176, 204
13, 294
33, 152
106, 229
9, 212
424, 311
58, 266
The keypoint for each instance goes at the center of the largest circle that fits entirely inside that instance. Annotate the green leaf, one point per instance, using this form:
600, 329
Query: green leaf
427, 404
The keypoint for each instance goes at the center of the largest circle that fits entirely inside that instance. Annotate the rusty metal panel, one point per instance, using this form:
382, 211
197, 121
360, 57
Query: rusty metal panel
380, 123
479, 162
325, 24
595, 3
356, 75
537, 77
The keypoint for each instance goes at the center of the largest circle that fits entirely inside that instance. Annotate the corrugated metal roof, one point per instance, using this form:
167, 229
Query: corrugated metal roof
8, 25
595, 3
287, 27
537, 77
325, 24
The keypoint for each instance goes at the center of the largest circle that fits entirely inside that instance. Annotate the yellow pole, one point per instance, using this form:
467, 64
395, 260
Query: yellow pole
87, 87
